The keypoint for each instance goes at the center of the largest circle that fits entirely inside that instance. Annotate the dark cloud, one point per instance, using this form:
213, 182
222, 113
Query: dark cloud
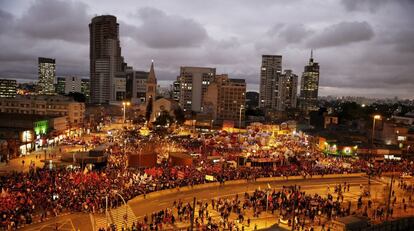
294, 33
55, 19
403, 40
341, 34
363, 5
159, 30
197, 33
6, 21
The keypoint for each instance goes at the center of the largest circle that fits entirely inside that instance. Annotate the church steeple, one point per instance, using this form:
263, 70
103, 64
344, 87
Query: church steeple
151, 84
151, 75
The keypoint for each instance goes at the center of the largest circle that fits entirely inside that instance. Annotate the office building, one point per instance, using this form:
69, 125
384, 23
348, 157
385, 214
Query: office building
45, 105
72, 84
194, 82
176, 90
105, 60
129, 76
270, 72
8, 88
225, 100
139, 87
60, 85
119, 88
47, 72
252, 100
288, 88
309, 86
85, 86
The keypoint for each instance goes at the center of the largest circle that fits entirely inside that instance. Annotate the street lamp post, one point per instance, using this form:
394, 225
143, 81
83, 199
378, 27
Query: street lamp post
124, 105
389, 198
240, 116
376, 117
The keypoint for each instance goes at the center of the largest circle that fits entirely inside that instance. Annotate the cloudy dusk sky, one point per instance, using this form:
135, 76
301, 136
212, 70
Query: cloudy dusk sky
364, 47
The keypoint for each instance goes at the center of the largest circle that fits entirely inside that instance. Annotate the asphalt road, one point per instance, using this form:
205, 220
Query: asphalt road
150, 204
141, 207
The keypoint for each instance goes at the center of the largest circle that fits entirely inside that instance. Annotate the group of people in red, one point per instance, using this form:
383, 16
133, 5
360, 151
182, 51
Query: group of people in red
46, 192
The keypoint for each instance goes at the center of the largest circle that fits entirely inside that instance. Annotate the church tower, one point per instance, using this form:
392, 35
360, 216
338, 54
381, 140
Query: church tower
151, 85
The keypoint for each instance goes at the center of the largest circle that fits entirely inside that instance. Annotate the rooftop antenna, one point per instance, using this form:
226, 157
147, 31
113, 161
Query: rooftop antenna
311, 54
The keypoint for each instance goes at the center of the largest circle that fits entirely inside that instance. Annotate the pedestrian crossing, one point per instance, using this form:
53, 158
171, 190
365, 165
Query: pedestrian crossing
101, 221
122, 216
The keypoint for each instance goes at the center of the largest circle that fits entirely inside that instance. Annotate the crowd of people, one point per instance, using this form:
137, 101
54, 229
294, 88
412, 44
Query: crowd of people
45, 192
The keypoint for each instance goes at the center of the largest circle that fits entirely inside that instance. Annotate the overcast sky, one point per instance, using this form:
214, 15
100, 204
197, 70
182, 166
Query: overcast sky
364, 47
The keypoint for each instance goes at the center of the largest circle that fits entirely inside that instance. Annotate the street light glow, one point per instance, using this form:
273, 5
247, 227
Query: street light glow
377, 117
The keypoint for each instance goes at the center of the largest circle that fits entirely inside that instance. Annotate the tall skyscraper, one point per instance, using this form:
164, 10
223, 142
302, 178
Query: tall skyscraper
105, 59
47, 72
269, 82
309, 86
194, 82
151, 85
288, 89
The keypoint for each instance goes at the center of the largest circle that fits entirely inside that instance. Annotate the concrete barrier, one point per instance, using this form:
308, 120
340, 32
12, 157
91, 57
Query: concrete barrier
280, 178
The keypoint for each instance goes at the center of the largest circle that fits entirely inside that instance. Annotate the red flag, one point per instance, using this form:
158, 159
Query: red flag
180, 175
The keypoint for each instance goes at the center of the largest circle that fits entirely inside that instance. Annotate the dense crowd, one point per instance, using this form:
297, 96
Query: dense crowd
47, 192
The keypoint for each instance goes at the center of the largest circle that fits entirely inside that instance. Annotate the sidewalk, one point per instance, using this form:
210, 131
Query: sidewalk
36, 157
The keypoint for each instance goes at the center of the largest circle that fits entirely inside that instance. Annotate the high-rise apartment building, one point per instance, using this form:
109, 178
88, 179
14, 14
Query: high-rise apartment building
47, 72
270, 72
288, 89
194, 82
8, 88
309, 86
225, 99
105, 59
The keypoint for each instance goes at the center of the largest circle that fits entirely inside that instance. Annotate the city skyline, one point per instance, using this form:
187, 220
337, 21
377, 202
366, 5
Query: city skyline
361, 50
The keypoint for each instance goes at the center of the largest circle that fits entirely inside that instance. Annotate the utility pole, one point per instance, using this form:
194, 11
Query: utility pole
106, 211
192, 215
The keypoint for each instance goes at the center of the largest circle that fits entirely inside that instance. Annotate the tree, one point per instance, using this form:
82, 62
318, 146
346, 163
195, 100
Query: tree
148, 111
78, 97
179, 115
163, 119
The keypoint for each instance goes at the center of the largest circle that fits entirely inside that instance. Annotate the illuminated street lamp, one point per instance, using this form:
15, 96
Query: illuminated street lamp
240, 116
376, 117
124, 105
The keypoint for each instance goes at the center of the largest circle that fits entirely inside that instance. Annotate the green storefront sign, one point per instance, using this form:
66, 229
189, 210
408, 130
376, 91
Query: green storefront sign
41, 127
